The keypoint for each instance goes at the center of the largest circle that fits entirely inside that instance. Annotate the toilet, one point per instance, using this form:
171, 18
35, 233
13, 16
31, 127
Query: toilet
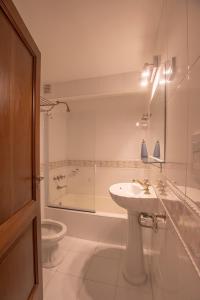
52, 233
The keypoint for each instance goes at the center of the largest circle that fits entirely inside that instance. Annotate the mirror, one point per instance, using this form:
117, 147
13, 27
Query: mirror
157, 118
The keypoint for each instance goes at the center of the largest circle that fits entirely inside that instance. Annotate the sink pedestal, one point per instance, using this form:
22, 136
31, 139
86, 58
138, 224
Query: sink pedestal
134, 271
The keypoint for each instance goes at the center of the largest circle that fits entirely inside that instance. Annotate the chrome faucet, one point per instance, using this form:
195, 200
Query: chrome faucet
60, 187
145, 184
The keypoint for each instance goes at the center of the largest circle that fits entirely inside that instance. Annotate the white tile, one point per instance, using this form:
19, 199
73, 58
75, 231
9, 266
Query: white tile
63, 287
122, 282
66, 242
82, 245
109, 251
110, 231
96, 291
103, 270
132, 293
47, 275
75, 263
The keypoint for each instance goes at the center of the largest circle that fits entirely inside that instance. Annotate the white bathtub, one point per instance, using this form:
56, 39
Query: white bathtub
99, 226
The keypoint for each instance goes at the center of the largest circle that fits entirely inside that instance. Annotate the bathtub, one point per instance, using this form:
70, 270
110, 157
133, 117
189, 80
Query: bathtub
98, 226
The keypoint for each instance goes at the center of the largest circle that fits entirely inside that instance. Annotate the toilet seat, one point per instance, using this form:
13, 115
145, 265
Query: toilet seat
52, 230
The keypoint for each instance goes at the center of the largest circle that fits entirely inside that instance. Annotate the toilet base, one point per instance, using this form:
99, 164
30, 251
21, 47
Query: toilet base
52, 255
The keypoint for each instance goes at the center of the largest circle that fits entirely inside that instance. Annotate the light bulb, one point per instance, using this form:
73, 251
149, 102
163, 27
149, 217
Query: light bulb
145, 74
162, 81
144, 82
168, 71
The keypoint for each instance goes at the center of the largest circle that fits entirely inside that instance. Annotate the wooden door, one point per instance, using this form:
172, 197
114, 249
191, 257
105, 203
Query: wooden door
20, 259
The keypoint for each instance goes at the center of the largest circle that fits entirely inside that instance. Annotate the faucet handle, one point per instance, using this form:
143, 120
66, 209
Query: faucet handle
146, 181
159, 183
162, 188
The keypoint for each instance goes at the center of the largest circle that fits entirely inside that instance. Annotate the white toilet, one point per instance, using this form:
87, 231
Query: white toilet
52, 232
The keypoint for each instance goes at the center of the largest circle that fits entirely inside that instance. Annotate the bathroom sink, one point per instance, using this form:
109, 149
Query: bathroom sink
131, 196
134, 198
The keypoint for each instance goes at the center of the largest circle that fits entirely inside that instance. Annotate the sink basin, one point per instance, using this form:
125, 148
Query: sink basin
132, 197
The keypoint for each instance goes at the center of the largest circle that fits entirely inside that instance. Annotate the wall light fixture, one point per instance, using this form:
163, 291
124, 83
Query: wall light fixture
149, 71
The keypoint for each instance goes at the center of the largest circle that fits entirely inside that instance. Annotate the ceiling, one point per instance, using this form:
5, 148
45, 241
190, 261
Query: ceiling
91, 38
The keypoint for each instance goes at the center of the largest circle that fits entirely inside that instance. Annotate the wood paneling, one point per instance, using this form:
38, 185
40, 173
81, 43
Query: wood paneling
20, 224
19, 257
5, 74
16, 69
21, 105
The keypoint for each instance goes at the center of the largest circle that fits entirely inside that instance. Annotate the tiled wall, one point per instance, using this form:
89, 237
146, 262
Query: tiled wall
92, 179
99, 136
178, 36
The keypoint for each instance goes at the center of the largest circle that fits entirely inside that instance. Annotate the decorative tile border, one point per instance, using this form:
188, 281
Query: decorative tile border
98, 163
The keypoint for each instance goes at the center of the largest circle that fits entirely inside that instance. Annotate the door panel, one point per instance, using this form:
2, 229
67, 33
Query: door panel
5, 150
20, 229
21, 124
17, 130
19, 257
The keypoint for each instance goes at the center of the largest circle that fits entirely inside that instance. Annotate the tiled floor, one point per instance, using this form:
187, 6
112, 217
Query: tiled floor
91, 271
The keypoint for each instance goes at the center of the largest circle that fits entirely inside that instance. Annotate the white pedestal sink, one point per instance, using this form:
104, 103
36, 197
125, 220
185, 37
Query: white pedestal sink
131, 196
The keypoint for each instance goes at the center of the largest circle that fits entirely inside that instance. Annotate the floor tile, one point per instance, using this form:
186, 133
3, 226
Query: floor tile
122, 282
132, 294
103, 270
75, 263
47, 275
91, 271
63, 287
96, 291
66, 242
81, 245
109, 251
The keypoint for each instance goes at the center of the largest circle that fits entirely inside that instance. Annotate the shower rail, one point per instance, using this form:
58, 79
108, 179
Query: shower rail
48, 105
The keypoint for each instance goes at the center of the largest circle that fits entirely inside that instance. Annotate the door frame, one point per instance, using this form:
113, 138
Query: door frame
17, 223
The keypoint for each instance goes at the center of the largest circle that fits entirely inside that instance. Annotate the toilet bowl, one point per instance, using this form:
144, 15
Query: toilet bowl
52, 233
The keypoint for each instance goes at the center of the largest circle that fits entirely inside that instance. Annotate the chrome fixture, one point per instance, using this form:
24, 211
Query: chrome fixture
170, 69
161, 187
145, 184
153, 221
159, 184
60, 187
149, 71
59, 177
47, 105
143, 122
162, 190
74, 172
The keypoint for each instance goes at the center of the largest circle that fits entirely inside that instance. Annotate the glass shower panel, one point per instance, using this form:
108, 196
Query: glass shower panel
71, 137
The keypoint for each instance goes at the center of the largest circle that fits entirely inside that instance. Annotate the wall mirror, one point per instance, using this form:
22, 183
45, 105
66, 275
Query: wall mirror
157, 118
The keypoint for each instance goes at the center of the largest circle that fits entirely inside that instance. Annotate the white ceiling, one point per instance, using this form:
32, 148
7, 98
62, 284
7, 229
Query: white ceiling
91, 38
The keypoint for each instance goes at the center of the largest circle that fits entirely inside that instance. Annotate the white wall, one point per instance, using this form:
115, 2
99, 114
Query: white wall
104, 128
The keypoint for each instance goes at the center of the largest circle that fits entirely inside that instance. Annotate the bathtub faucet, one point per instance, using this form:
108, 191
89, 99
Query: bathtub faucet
60, 187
